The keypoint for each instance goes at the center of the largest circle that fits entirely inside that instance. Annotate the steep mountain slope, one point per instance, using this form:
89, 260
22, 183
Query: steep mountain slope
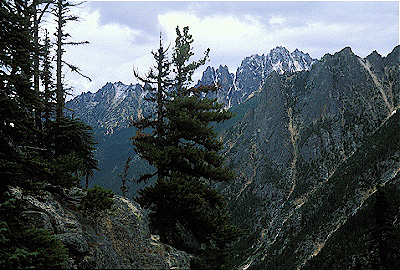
354, 244
290, 144
252, 74
111, 108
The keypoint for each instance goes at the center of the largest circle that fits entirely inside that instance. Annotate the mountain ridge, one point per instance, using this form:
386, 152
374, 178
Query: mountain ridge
252, 73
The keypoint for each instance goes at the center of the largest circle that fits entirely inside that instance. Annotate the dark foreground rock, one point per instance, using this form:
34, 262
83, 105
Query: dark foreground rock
115, 239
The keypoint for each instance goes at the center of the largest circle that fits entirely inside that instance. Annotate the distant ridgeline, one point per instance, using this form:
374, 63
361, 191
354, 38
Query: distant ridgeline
309, 142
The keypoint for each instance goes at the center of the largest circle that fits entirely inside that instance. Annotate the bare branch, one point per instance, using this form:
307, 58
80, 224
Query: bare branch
77, 70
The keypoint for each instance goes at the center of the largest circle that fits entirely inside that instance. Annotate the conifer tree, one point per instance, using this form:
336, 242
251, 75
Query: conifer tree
186, 212
124, 177
382, 241
61, 11
150, 145
21, 246
194, 147
47, 82
37, 17
17, 98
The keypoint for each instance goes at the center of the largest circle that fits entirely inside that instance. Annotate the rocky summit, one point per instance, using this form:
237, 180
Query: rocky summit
252, 74
111, 108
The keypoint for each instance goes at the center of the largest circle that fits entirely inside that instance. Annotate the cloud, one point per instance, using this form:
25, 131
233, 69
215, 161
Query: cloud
232, 32
277, 20
111, 54
231, 38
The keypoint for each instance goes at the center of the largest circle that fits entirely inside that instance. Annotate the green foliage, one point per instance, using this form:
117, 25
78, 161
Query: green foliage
367, 242
194, 147
23, 247
17, 99
33, 147
124, 177
70, 151
30, 148
97, 198
191, 216
179, 141
181, 137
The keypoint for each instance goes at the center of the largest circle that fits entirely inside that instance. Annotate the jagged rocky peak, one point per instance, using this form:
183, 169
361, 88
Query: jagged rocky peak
221, 75
278, 53
304, 59
346, 50
254, 70
208, 77
252, 73
111, 107
279, 59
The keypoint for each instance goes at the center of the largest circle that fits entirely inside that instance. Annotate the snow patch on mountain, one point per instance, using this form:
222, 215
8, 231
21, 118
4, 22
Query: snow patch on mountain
120, 91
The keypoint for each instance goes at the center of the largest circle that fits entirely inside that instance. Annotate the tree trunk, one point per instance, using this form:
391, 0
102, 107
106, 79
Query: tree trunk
59, 87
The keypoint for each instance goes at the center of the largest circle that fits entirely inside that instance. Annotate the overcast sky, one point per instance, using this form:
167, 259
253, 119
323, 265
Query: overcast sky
123, 33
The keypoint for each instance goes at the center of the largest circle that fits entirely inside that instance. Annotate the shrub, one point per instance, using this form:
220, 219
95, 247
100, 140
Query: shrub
97, 198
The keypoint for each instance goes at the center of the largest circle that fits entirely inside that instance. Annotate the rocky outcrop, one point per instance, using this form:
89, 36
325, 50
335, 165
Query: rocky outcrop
114, 239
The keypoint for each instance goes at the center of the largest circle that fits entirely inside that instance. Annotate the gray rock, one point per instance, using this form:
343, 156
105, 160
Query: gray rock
74, 241
38, 219
116, 239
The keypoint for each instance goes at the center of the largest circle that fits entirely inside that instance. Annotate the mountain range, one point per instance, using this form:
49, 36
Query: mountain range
310, 141
115, 104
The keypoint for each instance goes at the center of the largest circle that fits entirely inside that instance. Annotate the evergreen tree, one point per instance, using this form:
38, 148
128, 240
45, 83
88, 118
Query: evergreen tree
46, 77
187, 212
17, 98
26, 247
61, 11
20, 144
37, 17
150, 145
28, 155
383, 245
193, 145
124, 177
70, 146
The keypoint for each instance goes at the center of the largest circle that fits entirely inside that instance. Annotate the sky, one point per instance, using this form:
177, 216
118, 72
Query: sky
122, 34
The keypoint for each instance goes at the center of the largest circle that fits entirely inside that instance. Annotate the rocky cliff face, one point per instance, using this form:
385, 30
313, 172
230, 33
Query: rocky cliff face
115, 239
111, 108
252, 74
292, 145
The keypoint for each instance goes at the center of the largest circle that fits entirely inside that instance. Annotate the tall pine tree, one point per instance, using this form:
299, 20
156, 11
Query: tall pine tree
18, 100
186, 211
61, 11
150, 139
